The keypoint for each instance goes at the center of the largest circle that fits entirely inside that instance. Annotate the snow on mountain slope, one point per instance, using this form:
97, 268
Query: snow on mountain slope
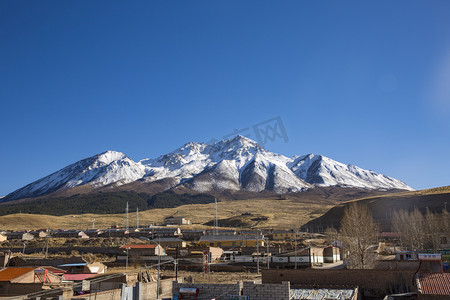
230, 158
323, 171
99, 170
235, 164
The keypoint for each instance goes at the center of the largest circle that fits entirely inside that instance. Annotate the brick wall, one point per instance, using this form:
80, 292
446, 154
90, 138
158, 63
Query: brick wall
266, 291
106, 295
373, 283
211, 290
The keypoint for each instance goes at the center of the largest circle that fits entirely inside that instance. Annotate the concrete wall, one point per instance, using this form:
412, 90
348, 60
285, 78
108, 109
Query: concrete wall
209, 291
266, 291
148, 291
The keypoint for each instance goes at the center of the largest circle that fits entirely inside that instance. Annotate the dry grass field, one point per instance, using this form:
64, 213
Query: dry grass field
280, 213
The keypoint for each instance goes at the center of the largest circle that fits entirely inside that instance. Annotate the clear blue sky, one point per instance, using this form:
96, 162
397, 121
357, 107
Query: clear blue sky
362, 82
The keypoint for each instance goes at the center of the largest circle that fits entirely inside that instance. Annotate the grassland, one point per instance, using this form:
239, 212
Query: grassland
280, 213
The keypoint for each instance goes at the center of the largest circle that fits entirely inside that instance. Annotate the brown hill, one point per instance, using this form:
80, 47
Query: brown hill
383, 207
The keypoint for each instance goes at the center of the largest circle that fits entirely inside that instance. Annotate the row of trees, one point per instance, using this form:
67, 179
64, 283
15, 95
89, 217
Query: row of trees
359, 232
420, 232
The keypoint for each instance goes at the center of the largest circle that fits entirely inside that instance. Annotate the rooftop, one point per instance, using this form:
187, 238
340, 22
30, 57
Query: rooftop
11, 273
145, 246
434, 283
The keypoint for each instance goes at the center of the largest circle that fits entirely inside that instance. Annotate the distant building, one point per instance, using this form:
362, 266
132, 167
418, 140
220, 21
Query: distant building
164, 232
170, 242
69, 234
220, 232
176, 221
444, 241
285, 235
3, 237
192, 235
142, 250
231, 241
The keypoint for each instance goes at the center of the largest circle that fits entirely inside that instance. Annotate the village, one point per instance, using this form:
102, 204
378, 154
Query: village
175, 260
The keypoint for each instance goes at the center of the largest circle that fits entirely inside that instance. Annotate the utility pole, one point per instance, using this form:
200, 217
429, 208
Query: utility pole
46, 250
176, 265
126, 265
216, 222
126, 217
268, 258
137, 217
93, 223
257, 252
295, 267
159, 266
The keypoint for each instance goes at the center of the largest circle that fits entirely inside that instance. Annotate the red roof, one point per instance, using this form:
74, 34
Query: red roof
434, 283
11, 273
77, 277
146, 246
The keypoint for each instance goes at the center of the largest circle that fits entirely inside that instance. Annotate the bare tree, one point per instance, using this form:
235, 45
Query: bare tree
331, 235
433, 229
359, 235
411, 227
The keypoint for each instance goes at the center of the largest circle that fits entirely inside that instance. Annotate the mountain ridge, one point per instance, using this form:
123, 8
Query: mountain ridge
236, 164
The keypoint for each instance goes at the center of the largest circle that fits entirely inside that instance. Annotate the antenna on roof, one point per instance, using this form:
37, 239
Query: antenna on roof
126, 217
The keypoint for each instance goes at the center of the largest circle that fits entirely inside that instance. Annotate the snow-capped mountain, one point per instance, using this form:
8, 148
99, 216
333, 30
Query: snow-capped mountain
235, 164
99, 170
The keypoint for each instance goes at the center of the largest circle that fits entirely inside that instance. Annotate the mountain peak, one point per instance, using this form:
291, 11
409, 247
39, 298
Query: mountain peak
110, 156
237, 163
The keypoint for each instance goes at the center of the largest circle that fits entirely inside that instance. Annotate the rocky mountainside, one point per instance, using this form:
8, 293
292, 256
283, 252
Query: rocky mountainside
235, 164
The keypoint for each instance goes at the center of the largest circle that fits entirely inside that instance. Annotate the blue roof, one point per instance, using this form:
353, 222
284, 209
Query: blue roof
74, 265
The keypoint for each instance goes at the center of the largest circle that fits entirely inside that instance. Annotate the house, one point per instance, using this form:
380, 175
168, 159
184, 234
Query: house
170, 242
192, 235
231, 241
331, 254
69, 234
164, 232
433, 285
3, 237
14, 235
189, 253
19, 235
285, 235
20, 281
176, 221
431, 281
406, 255
444, 241
113, 232
220, 232
84, 268
138, 253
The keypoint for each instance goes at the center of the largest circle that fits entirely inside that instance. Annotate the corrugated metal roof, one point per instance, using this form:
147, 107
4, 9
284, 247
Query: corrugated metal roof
434, 283
146, 246
11, 273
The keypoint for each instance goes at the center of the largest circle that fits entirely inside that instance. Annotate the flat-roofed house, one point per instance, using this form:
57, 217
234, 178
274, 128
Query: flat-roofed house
170, 242
21, 281
176, 221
